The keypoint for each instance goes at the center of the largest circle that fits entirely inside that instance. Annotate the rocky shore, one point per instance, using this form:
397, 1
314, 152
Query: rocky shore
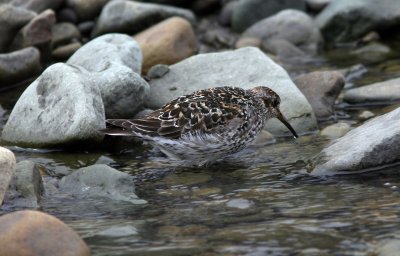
99, 59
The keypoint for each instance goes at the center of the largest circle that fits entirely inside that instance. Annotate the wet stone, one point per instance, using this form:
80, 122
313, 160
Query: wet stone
100, 181
354, 152
66, 51
38, 6
26, 187
12, 19
365, 115
239, 203
385, 91
36, 33
7, 170
136, 16
64, 33
335, 131
19, 65
321, 88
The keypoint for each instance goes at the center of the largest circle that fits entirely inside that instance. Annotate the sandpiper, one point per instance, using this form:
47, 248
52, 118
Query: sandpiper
205, 126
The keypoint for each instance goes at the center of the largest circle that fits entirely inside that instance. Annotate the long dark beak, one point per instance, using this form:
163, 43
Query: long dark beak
285, 122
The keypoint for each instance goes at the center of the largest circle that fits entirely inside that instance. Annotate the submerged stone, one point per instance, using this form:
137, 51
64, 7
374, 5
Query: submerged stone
371, 145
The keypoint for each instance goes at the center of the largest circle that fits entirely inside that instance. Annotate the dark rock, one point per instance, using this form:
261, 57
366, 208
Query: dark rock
62, 106
66, 51
100, 181
86, 9
321, 88
67, 15
226, 13
248, 12
38, 6
345, 21
317, 5
26, 187
36, 33
205, 6
115, 61
64, 33
133, 17
370, 146
11, 20
246, 68
7, 170
19, 65
37, 233
86, 27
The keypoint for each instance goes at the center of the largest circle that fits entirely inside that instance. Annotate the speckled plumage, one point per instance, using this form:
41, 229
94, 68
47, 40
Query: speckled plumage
205, 126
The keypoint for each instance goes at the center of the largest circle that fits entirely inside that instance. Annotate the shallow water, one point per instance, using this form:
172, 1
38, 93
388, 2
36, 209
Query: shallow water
263, 202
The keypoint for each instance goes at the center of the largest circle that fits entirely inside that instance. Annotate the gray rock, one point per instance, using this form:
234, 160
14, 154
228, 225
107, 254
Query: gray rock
38, 6
67, 15
372, 145
317, 5
62, 106
100, 181
36, 33
64, 33
11, 20
86, 27
246, 68
19, 65
26, 187
378, 92
158, 71
132, 17
335, 131
344, 21
321, 89
282, 49
293, 26
388, 248
248, 12
86, 9
115, 61
7, 169
65, 51
372, 52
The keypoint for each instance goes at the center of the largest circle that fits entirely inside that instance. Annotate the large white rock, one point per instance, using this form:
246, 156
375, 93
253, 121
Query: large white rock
246, 68
371, 145
62, 106
115, 62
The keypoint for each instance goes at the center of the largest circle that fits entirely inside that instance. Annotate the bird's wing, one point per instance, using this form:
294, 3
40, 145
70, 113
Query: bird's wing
199, 112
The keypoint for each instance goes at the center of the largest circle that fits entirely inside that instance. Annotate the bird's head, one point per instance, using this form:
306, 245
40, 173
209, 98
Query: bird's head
272, 102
